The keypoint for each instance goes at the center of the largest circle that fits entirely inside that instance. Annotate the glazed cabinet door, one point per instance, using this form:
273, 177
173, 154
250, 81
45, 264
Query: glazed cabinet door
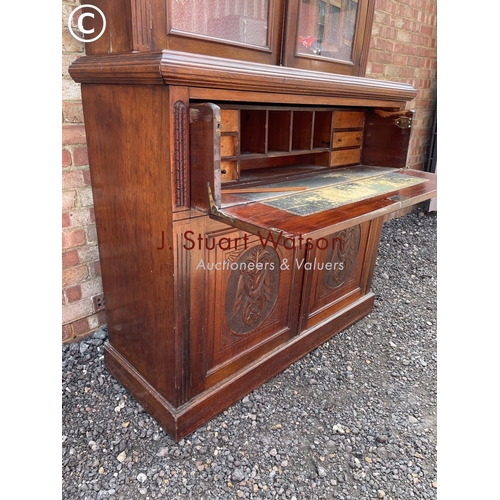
244, 29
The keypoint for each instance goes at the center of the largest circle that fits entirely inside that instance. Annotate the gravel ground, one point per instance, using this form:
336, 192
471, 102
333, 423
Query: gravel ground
354, 419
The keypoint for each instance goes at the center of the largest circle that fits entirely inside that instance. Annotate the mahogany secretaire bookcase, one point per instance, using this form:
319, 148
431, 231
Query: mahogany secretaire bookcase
242, 168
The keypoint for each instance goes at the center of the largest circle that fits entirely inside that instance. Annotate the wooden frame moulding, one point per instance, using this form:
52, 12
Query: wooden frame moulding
215, 74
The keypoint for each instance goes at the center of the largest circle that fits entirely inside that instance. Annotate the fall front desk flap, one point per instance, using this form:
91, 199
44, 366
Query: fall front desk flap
317, 204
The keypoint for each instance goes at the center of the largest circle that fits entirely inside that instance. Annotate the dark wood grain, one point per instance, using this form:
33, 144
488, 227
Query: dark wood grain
205, 127
386, 143
126, 127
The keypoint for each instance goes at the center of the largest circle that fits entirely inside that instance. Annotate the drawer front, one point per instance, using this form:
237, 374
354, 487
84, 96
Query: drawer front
348, 119
228, 170
230, 120
228, 145
347, 139
345, 157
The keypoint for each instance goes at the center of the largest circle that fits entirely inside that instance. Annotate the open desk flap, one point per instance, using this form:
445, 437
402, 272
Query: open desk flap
319, 205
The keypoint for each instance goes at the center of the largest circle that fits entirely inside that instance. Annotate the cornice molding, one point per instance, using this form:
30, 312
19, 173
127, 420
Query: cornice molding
193, 70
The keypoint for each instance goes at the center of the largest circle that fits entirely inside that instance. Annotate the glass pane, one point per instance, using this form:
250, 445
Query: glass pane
240, 21
326, 28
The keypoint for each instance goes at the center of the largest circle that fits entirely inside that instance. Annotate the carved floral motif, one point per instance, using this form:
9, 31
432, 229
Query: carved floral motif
344, 252
252, 289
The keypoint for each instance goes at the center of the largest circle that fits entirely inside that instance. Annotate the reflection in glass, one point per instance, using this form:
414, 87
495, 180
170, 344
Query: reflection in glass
326, 28
240, 21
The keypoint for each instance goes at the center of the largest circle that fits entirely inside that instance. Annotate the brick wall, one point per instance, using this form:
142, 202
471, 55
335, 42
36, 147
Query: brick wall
403, 48
81, 278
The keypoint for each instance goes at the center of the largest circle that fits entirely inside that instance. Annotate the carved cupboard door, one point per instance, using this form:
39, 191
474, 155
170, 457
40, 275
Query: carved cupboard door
338, 271
250, 301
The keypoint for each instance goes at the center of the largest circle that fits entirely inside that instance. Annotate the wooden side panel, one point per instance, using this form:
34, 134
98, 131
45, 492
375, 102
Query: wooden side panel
126, 128
205, 156
387, 137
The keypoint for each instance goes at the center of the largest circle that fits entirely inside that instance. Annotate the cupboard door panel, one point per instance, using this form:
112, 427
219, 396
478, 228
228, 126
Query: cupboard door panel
250, 304
335, 273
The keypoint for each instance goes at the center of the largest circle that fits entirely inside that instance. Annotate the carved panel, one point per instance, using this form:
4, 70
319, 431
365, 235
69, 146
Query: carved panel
342, 255
181, 155
252, 289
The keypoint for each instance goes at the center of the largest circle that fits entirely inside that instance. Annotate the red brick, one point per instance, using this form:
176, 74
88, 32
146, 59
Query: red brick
67, 333
66, 158
73, 238
407, 72
377, 69
383, 57
410, 50
70, 259
74, 275
80, 156
68, 200
414, 61
426, 30
66, 220
400, 59
74, 293
379, 43
81, 326
86, 176
73, 179
73, 134
72, 112
388, 32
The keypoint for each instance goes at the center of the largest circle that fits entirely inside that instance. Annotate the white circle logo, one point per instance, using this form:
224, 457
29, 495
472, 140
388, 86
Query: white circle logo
80, 23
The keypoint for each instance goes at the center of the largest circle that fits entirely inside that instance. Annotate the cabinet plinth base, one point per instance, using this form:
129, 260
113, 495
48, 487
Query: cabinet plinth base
181, 421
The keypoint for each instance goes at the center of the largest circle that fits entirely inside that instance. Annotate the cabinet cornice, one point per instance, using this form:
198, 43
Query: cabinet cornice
191, 70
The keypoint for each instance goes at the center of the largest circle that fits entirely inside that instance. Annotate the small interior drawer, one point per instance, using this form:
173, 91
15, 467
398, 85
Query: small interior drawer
348, 119
230, 120
347, 139
345, 157
229, 145
229, 170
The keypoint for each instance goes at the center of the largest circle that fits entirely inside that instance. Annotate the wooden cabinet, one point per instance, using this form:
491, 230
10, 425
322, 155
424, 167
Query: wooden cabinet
238, 207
